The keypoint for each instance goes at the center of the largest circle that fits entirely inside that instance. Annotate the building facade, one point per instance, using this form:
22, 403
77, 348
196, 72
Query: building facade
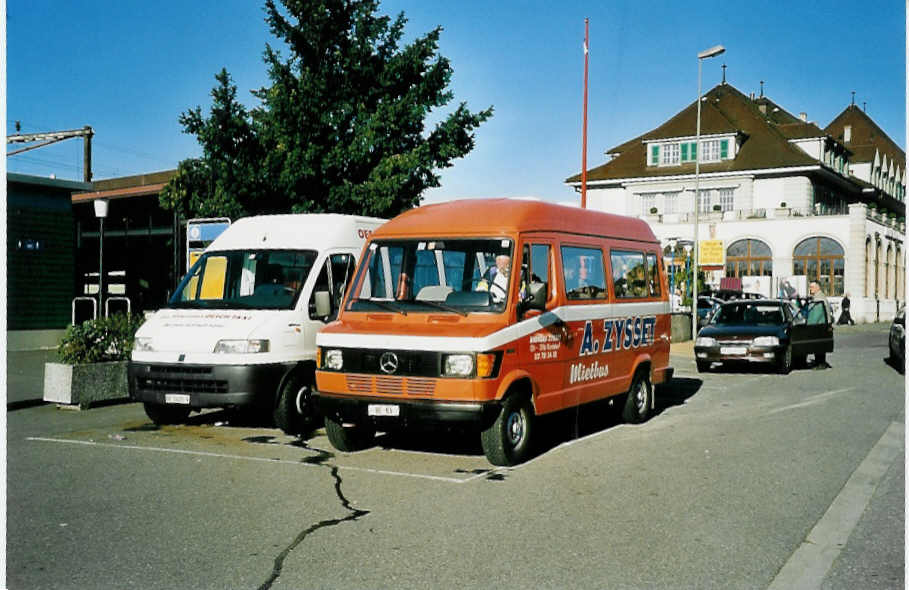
780, 200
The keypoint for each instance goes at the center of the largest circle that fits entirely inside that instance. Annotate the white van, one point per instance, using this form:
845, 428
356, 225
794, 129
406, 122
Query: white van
240, 329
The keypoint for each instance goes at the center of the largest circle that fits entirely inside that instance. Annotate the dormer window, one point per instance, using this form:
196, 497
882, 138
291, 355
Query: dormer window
675, 153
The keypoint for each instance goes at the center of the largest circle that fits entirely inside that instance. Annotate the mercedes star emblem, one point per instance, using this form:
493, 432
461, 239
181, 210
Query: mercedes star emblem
388, 362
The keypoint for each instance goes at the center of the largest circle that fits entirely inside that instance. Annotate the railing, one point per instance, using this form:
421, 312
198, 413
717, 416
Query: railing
94, 307
107, 305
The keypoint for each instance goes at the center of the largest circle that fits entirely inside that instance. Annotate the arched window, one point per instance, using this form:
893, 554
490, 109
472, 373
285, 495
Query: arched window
888, 264
749, 258
821, 260
900, 278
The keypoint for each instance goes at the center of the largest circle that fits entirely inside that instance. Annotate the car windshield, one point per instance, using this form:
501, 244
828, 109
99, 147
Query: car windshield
244, 279
749, 313
432, 275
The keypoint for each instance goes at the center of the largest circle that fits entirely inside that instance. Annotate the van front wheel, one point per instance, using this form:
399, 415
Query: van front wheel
507, 441
294, 407
164, 414
349, 439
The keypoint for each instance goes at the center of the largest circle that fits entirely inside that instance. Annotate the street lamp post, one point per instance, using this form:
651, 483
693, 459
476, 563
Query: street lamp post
101, 213
707, 53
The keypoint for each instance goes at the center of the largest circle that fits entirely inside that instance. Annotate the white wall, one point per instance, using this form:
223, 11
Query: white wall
795, 191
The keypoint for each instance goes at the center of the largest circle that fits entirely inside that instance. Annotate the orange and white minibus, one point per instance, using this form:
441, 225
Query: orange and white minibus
493, 312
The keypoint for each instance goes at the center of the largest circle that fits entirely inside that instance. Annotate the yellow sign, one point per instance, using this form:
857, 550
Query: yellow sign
711, 253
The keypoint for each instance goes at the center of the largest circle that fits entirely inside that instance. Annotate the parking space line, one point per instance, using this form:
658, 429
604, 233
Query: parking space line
816, 399
808, 565
266, 460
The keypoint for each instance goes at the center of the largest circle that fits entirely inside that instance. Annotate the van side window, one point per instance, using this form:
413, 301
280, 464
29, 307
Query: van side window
335, 275
583, 270
539, 263
629, 277
653, 275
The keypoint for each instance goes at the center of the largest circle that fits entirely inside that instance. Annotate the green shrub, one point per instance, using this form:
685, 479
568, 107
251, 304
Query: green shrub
99, 340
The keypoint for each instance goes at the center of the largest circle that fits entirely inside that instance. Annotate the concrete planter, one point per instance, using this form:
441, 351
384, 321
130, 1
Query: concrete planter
85, 385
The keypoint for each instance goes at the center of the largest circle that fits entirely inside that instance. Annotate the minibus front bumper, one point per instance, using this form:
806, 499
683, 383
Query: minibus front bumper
398, 413
206, 386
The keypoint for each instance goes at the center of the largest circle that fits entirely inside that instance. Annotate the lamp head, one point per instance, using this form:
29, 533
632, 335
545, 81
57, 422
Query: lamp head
712, 52
100, 208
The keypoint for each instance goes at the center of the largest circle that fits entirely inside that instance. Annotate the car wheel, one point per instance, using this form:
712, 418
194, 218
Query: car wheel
639, 399
164, 414
703, 366
507, 441
349, 439
785, 363
294, 405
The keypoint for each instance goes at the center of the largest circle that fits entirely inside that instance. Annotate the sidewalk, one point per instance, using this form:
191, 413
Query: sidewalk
685, 349
25, 376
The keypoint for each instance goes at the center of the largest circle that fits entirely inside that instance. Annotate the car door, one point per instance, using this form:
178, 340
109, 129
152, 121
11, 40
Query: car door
812, 330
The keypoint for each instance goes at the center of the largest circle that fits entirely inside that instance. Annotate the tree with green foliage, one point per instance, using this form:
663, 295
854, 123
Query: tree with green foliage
341, 128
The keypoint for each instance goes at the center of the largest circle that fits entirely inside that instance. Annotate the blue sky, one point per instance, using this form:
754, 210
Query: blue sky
129, 68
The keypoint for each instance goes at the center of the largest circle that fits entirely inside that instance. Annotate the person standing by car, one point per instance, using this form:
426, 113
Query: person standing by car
814, 290
845, 316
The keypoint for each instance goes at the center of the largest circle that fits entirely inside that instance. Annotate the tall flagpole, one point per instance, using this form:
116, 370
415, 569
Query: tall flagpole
584, 148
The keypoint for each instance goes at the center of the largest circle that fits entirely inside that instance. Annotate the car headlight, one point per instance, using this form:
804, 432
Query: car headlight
143, 345
241, 346
766, 341
457, 365
705, 341
333, 360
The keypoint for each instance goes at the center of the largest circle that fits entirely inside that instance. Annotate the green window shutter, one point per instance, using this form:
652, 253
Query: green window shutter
654, 155
684, 152
694, 150
724, 149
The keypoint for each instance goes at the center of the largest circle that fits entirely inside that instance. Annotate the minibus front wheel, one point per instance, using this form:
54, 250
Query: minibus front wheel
507, 441
349, 439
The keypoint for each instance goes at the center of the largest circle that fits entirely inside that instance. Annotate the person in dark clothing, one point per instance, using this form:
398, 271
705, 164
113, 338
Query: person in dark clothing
845, 316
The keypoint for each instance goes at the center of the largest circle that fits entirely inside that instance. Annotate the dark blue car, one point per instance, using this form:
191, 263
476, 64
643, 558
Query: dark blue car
766, 331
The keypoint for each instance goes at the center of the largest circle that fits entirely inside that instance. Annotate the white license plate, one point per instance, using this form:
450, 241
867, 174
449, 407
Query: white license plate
733, 350
383, 410
176, 398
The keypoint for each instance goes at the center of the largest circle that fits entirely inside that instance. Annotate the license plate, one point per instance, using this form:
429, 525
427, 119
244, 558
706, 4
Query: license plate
176, 398
733, 350
383, 410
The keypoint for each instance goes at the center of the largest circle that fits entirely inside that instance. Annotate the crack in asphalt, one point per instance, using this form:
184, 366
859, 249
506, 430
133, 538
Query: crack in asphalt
355, 513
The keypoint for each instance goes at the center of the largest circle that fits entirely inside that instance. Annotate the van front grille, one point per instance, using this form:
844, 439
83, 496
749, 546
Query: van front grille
369, 384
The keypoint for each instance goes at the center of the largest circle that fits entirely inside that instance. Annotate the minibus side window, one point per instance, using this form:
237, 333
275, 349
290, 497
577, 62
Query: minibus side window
653, 275
629, 276
584, 275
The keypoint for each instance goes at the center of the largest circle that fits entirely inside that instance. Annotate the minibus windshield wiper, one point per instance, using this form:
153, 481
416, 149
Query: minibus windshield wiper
440, 305
382, 304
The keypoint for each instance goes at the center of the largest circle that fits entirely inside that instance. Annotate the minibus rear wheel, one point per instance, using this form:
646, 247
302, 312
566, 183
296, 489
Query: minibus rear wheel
349, 439
639, 399
164, 414
507, 441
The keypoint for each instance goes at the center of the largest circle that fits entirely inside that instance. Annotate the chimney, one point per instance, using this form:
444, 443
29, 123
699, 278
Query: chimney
847, 133
803, 117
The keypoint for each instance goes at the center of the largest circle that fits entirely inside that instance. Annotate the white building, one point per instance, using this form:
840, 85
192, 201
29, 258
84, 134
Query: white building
780, 198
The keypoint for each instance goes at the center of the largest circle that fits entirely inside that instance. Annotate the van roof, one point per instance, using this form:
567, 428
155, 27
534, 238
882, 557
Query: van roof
296, 231
493, 217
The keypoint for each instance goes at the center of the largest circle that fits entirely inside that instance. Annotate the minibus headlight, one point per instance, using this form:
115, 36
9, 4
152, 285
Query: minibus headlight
143, 345
241, 346
457, 365
333, 360
705, 341
766, 341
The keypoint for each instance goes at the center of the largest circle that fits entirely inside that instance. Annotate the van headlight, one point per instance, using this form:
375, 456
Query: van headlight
143, 345
457, 365
333, 360
241, 346
766, 341
705, 341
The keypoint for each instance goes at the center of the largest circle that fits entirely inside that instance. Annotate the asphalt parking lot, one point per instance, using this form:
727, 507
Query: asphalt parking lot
742, 479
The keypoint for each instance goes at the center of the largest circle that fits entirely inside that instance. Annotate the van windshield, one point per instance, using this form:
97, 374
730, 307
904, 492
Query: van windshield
244, 279
435, 275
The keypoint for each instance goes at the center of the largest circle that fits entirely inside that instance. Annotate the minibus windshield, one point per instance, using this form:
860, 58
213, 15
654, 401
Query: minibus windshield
244, 279
435, 275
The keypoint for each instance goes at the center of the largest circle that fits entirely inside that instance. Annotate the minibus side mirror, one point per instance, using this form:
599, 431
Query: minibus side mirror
323, 304
536, 297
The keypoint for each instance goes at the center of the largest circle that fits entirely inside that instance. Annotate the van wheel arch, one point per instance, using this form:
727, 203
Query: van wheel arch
508, 440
